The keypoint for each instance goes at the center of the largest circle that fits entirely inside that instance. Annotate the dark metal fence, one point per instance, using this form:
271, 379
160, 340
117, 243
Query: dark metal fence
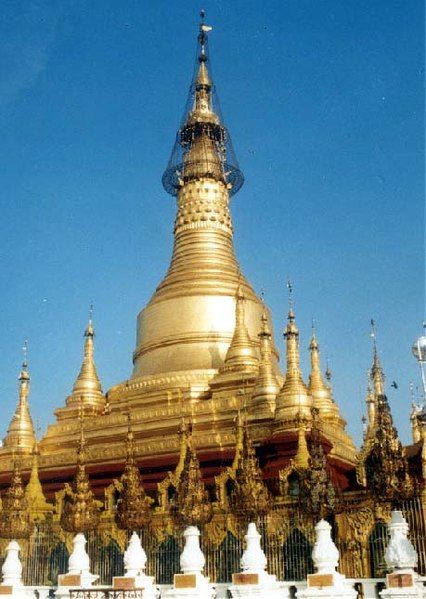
46, 555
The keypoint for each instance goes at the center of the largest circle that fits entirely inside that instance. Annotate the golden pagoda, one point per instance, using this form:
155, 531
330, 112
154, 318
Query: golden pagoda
205, 351
20, 436
205, 344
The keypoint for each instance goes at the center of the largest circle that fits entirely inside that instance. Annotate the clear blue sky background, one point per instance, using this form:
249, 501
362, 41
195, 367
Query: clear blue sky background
324, 100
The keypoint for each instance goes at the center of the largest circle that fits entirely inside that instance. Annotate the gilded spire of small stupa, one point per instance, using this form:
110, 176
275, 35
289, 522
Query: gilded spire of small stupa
371, 402
377, 377
133, 505
80, 512
34, 491
301, 459
87, 389
294, 397
316, 381
318, 388
242, 352
266, 387
20, 434
14, 516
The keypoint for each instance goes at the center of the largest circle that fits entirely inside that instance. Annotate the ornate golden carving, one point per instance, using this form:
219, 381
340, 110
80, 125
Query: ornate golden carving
320, 495
80, 511
15, 517
250, 498
386, 467
191, 505
133, 505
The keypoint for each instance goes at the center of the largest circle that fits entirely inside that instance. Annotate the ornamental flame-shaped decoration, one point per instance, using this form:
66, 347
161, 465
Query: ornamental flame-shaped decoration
80, 511
386, 466
320, 495
250, 497
133, 504
191, 505
15, 517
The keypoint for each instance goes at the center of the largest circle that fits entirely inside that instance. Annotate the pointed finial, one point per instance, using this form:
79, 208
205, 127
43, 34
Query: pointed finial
290, 298
314, 343
373, 334
202, 37
25, 352
24, 375
90, 331
87, 387
376, 369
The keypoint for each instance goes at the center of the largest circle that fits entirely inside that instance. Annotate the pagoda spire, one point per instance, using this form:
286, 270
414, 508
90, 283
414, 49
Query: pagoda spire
34, 495
371, 402
301, 459
87, 389
20, 434
386, 467
318, 388
242, 353
377, 376
202, 148
316, 381
294, 397
189, 322
266, 387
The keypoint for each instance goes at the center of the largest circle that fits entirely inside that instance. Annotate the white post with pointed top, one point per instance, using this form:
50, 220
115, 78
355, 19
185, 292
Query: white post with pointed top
78, 575
401, 559
192, 582
134, 565
254, 580
12, 568
326, 583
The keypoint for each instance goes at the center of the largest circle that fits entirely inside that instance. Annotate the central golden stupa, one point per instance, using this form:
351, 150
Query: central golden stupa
204, 344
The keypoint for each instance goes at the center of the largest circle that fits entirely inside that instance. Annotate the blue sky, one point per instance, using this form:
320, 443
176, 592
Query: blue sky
324, 101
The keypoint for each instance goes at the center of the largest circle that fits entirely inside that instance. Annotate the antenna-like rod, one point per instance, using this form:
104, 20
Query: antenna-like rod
373, 335
25, 353
290, 295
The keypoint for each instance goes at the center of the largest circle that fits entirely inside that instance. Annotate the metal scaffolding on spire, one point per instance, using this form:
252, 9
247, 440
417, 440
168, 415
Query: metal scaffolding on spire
203, 148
